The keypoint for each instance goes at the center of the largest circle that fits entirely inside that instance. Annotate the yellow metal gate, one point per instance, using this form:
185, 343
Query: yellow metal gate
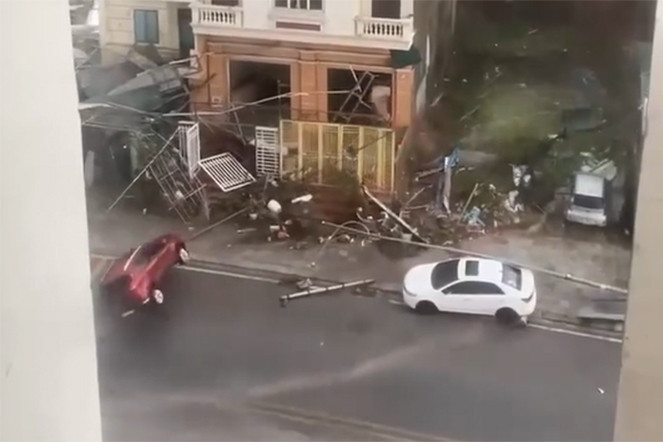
314, 150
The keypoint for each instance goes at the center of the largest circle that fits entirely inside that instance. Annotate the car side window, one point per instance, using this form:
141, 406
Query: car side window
460, 288
487, 288
473, 288
148, 251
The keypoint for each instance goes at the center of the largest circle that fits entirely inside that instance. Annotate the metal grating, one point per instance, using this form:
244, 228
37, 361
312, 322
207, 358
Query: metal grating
189, 138
193, 149
226, 172
182, 193
267, 151
183, 126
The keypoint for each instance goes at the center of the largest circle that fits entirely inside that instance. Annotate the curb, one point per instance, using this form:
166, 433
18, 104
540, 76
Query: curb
387, 290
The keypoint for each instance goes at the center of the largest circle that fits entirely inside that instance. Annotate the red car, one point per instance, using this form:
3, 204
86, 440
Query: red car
138, 273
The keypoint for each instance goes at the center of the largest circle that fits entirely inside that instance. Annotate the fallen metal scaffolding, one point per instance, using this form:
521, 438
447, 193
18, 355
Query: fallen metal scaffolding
359, 93
182, 192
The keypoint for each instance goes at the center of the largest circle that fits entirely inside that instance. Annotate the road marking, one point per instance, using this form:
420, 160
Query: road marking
230, 274
576, 333
383, 431
211, 272
95, 266
100, 256
396, 302
99, 267
369, 435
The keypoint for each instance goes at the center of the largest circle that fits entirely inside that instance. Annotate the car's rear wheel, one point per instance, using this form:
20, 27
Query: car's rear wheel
508, 317
157, 295
426, 308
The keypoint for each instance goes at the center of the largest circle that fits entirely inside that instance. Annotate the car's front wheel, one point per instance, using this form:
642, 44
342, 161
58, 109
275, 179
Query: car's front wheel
184, 255
426, 308
157, 295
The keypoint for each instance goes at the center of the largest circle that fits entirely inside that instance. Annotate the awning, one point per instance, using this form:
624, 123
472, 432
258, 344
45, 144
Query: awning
401, 59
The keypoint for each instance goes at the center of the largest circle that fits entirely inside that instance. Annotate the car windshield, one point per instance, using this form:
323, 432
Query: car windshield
512, 276
588, 202
444, 273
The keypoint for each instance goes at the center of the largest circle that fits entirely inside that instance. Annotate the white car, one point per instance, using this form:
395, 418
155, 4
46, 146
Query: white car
473, 286
588, 204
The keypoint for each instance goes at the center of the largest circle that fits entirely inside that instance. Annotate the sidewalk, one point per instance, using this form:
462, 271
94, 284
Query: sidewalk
114, 233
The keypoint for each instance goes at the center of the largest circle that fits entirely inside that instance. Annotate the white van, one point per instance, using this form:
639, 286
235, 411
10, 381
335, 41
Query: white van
588, 204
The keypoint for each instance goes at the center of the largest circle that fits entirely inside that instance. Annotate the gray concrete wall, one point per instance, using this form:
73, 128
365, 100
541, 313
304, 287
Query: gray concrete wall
640, 400
49, 369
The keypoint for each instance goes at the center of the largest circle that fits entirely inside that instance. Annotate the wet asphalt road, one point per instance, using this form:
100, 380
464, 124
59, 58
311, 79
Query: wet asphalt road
222, 361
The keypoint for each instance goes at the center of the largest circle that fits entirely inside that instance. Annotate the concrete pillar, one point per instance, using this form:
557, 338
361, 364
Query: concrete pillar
407, 8
219, 87
103, 25
403, 87
308, 79
49, 369
322, 98
640, 399
200, 94
295, 89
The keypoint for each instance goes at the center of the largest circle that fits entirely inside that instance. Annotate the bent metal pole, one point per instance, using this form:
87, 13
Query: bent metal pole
317, 290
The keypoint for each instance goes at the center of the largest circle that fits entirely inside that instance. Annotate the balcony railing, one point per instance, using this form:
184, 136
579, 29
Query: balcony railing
384, 28
364, 32
210, 15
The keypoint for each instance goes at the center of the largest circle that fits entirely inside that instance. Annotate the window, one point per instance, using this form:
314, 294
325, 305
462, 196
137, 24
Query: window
588, 202
230, 3
487, 288
461, 288
311, 5
146, 26
472, 268
512, 276
145, 253
444, 273
473, 288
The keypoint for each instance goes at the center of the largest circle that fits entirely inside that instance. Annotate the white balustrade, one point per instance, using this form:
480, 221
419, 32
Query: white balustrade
384, 28
223, 16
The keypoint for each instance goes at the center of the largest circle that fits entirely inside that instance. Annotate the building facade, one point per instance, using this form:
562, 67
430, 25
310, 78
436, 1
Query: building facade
330, 79
308, 51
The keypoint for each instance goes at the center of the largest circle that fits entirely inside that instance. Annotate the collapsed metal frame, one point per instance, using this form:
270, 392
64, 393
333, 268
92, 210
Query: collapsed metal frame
182, 192
362, 87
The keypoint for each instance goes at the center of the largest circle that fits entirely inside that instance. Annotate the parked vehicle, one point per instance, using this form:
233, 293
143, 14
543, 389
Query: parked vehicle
472, 286
136, 276
588, 202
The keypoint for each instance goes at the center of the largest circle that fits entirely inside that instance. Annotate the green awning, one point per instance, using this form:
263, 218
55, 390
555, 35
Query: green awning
401, 59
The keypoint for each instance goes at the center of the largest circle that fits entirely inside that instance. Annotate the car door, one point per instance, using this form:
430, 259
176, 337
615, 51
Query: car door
160, 261
458, 297
488, 298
